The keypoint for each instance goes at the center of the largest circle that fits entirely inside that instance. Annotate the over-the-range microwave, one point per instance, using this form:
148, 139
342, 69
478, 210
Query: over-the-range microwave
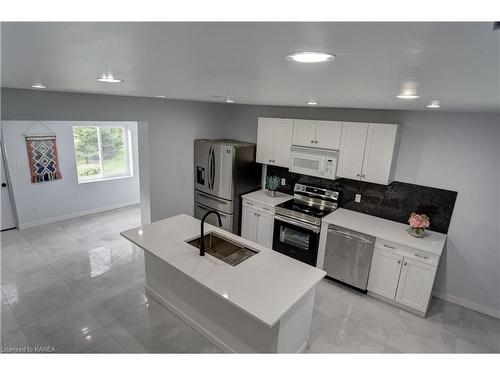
314, 161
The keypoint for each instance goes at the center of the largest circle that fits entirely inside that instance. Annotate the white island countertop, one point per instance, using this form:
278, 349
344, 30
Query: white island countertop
260, 196
432, 242
264, 286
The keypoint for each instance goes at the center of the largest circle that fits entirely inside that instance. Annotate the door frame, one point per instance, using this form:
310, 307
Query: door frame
6, 168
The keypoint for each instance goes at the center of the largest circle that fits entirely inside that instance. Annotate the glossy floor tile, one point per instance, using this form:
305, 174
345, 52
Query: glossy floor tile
77, 286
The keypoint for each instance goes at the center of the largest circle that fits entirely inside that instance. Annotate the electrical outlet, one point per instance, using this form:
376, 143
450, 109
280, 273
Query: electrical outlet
283, 181
357, 198
36, 210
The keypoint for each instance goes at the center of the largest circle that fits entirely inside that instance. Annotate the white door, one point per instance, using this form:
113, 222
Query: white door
265, 229
352, 149
384, 273
379, 152
415, 284
304, 133
7, 218
249, 224
265, 140
328, 134
282, 142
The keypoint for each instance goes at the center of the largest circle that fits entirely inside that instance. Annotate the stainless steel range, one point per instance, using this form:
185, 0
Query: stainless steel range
297, 222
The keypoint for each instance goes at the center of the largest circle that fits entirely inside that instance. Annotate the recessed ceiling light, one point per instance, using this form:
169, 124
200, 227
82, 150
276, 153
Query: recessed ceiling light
229, 100
408, 91
38, 86
109, 79
310, 57
434, 104
407, 96
160, 96
312, 102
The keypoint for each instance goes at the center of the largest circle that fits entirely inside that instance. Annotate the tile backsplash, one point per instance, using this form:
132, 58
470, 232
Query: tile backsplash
393, 202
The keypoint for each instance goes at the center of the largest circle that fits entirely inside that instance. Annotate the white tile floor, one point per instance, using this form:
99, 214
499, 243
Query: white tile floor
77, 286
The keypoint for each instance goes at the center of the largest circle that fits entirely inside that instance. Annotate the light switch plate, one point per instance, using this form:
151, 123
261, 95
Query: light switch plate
283, 181
357, 198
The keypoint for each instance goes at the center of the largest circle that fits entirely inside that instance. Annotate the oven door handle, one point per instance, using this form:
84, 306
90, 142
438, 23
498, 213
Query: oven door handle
312, 228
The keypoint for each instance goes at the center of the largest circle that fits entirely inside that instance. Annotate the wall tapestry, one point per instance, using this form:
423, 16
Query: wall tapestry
42, 154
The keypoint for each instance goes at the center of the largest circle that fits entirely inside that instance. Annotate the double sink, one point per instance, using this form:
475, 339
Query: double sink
224, 249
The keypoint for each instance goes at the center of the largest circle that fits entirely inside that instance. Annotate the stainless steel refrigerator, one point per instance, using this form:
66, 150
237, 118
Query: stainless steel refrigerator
223, 171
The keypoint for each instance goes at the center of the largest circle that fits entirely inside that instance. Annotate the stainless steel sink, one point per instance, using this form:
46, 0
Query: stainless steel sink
226, 250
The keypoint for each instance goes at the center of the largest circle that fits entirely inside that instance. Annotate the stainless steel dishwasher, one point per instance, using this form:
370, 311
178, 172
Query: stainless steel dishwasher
348, 256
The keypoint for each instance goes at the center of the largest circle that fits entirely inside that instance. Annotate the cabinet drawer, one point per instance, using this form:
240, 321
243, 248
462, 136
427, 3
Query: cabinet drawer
258, 206
407, 252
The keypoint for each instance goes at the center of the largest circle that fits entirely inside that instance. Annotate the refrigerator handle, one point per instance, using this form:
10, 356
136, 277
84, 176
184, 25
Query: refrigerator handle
213, 168
209, 164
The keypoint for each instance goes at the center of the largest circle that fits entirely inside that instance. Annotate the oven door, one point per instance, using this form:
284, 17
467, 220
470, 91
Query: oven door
296, 239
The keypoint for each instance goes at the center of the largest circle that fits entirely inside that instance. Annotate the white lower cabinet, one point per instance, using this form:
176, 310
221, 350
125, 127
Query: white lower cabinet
415, 284
402, 279
384, 273
257, 225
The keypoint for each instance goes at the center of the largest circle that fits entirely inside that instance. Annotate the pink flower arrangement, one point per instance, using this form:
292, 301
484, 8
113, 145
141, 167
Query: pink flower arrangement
419, 221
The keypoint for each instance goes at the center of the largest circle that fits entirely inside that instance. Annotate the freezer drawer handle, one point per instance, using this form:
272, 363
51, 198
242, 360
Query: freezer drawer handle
390, 247
208, 209
349, 236
212, 198
310, 227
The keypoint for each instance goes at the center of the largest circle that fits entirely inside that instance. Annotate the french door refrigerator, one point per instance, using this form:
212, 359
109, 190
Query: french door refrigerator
223, 171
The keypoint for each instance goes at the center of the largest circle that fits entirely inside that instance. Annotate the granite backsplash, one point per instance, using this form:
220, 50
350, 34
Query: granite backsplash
393, 202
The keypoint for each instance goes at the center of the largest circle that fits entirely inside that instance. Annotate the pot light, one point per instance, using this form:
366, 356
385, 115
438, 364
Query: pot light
408, 91
38, 86
407, 96
160, 96
109, 79
229, 100
310, 57
434, 104
312, 102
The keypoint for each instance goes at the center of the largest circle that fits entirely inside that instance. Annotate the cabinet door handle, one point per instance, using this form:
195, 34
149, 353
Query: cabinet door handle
399, 262
404, 264
363, 175
421, 256
390, 247
357, 175
312, 141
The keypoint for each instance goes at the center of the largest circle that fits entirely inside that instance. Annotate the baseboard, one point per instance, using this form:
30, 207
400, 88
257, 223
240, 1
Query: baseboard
467, 304
198, 328
76, 214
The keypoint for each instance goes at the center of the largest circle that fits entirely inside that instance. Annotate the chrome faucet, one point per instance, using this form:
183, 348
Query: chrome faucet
202, 239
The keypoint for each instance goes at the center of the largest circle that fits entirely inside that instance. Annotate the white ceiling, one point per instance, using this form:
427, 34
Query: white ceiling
457, 63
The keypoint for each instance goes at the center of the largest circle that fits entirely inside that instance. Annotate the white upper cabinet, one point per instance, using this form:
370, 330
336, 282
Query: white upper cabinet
274, 138
328, 134
367, 152
304, 133
321, 134
352, 150
282, 142
378, 166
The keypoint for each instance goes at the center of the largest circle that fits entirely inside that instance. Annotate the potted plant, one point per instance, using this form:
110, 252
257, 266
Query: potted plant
272, 184
418, 223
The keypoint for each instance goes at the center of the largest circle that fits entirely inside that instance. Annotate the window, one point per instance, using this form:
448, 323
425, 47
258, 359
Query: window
102, 152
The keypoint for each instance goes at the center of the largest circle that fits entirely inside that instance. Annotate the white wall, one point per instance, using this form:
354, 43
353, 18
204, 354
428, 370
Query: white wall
455, 151
56, 200
169, 125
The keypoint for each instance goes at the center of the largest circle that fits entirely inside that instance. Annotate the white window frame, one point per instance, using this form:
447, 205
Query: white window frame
128, 147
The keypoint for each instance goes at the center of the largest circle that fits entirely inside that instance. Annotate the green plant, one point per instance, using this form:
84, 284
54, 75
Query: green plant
89, 171
272, 183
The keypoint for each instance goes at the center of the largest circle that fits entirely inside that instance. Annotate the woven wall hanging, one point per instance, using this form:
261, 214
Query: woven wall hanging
42, 155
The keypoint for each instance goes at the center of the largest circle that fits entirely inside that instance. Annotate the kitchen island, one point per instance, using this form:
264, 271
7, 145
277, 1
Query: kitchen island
262, 305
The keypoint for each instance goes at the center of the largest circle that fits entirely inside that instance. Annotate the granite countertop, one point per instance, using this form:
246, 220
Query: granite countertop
432, 242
